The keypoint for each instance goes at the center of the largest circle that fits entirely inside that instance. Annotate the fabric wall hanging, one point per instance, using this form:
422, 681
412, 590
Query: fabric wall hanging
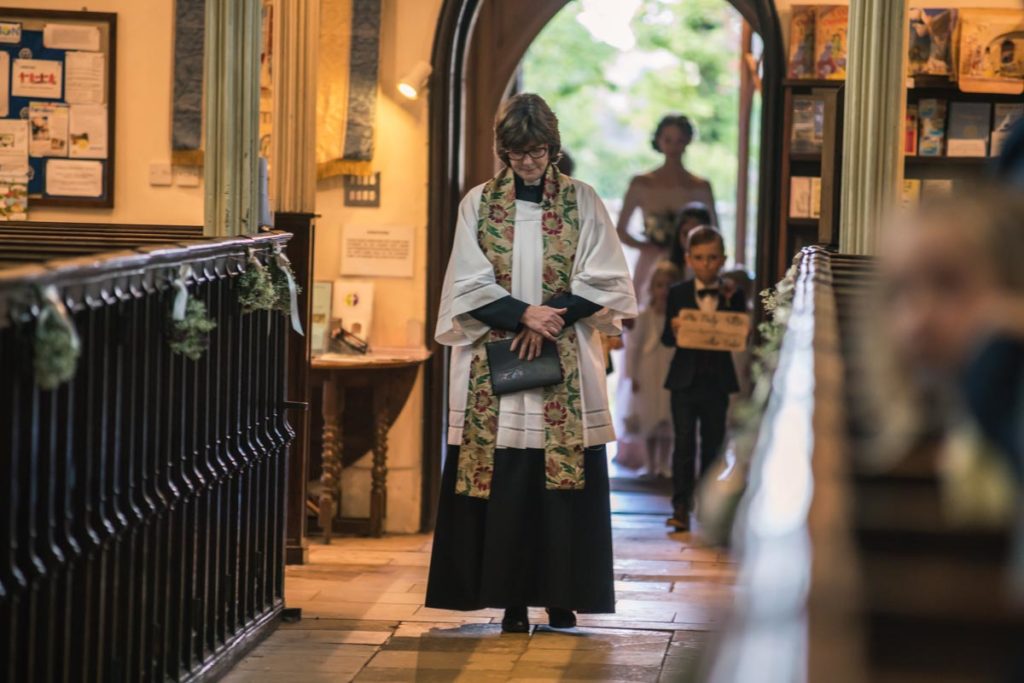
187, 105
347, 86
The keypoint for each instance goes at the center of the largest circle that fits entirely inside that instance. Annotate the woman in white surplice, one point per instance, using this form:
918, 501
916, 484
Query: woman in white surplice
524, 516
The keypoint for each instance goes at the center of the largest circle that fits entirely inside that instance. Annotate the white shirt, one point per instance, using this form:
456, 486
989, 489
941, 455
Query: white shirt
706, 304
600, 275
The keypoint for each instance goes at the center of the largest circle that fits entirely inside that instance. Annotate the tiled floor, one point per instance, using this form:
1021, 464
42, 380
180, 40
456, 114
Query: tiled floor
363, 617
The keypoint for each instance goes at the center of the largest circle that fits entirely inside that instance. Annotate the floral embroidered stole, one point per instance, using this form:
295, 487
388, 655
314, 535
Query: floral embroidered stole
563, 412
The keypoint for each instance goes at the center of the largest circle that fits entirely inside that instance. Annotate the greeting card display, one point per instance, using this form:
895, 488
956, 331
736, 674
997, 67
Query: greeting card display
931, 41
830, 42
992, 51
801, 42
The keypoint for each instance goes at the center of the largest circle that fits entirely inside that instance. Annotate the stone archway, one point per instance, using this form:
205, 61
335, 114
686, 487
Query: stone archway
466, 90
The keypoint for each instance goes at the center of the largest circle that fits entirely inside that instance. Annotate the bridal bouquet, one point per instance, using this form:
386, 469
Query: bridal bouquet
660, 228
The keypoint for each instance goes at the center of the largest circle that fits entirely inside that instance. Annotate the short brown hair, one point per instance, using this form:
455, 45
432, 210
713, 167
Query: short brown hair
524, 120
704, 234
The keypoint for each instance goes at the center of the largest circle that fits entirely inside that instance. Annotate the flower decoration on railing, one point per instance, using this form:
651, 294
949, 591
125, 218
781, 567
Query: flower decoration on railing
720, 495
256, 290
57, 346
190, 324
776, 303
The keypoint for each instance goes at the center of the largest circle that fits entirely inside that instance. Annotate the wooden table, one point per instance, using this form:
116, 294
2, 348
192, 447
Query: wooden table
388, 374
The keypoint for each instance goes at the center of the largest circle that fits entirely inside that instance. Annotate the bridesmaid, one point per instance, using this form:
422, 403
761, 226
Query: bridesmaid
660, 194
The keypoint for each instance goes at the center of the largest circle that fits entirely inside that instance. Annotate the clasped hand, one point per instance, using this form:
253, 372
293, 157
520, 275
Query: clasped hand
539, 323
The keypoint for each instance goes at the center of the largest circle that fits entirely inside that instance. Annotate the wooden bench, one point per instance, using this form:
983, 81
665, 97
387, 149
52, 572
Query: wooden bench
855, 574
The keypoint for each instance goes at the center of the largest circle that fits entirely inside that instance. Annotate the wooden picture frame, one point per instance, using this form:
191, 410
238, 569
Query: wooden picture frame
34, 20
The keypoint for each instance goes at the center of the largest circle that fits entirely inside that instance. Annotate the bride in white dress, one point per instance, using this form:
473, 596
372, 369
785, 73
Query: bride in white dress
660, 195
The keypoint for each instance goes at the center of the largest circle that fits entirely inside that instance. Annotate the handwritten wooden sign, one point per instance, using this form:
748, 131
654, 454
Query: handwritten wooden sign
719, 331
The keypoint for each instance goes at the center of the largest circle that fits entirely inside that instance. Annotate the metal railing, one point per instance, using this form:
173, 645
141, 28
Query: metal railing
142, 503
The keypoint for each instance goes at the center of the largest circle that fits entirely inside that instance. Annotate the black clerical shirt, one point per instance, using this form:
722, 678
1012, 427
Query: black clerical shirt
506, 313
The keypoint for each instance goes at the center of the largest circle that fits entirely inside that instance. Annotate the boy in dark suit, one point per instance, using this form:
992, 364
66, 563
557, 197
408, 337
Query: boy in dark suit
700, 381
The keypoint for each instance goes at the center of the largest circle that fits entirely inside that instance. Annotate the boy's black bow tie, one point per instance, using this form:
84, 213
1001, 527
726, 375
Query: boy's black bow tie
710, 291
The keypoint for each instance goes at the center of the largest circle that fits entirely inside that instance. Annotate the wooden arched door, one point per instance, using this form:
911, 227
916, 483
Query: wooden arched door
462, 100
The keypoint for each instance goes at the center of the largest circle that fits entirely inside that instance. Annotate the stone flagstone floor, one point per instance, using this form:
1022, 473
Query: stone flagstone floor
363, 617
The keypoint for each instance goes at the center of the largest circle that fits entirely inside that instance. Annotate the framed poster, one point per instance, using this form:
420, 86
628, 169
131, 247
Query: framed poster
57, 73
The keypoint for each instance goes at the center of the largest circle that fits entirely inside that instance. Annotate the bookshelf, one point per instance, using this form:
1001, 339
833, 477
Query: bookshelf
801, 228
800, 231
936, 35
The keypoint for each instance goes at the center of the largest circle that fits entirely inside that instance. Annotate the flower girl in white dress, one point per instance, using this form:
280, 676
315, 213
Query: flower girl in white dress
648, 413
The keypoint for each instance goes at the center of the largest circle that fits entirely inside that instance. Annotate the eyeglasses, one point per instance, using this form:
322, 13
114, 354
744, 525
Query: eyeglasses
535, 153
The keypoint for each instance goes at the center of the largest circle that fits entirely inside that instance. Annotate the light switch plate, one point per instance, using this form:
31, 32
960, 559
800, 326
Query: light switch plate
187, 176
159, 174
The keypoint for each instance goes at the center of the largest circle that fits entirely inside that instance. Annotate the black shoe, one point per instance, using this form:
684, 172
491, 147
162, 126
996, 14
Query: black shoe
680, 520
515, 620
561, 618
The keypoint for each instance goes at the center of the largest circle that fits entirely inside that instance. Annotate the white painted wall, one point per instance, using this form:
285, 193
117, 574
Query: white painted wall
145, 47
407, 35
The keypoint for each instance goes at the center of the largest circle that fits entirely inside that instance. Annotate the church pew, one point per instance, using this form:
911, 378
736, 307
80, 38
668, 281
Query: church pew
36, 242
141, 513
936, 597
852, 573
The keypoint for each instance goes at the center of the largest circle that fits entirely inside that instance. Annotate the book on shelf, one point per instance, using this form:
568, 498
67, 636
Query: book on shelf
910, 134
830, 28
1006, 115
911, 194
930, 44
933, 188
799, 197
931, 115
969, 128
815, 197
808, 129
801, 42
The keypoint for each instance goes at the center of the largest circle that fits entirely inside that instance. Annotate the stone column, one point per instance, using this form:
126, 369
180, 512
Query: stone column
231, 158
293, 140
873, 120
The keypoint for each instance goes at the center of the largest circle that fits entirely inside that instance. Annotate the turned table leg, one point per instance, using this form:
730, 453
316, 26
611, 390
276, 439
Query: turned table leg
379, 473
330, 475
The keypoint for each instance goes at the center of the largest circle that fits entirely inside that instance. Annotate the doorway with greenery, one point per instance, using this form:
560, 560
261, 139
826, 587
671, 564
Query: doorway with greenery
612, 68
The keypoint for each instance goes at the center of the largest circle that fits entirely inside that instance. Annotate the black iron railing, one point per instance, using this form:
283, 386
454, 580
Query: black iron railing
141, 502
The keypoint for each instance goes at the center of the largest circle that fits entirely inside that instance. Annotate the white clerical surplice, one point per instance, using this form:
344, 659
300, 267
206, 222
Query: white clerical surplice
599, 275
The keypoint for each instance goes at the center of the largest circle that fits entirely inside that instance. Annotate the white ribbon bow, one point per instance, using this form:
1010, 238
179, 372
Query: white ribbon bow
285, 265
181, 294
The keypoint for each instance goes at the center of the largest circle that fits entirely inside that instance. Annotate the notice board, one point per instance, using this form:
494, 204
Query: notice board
57, 97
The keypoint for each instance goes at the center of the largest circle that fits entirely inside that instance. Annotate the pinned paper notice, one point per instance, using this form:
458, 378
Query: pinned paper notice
87, 132
13, 146
71, 37
719, 331
381, 251
74, 178
49, 129
5, 83
10, 32
85, 78
37, 78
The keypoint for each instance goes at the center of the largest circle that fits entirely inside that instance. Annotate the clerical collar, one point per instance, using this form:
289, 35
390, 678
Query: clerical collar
529, 193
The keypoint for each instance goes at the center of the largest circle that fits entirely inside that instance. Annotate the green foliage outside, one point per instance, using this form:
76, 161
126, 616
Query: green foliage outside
686, 60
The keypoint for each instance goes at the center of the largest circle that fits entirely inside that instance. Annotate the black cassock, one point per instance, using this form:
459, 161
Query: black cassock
525, 545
